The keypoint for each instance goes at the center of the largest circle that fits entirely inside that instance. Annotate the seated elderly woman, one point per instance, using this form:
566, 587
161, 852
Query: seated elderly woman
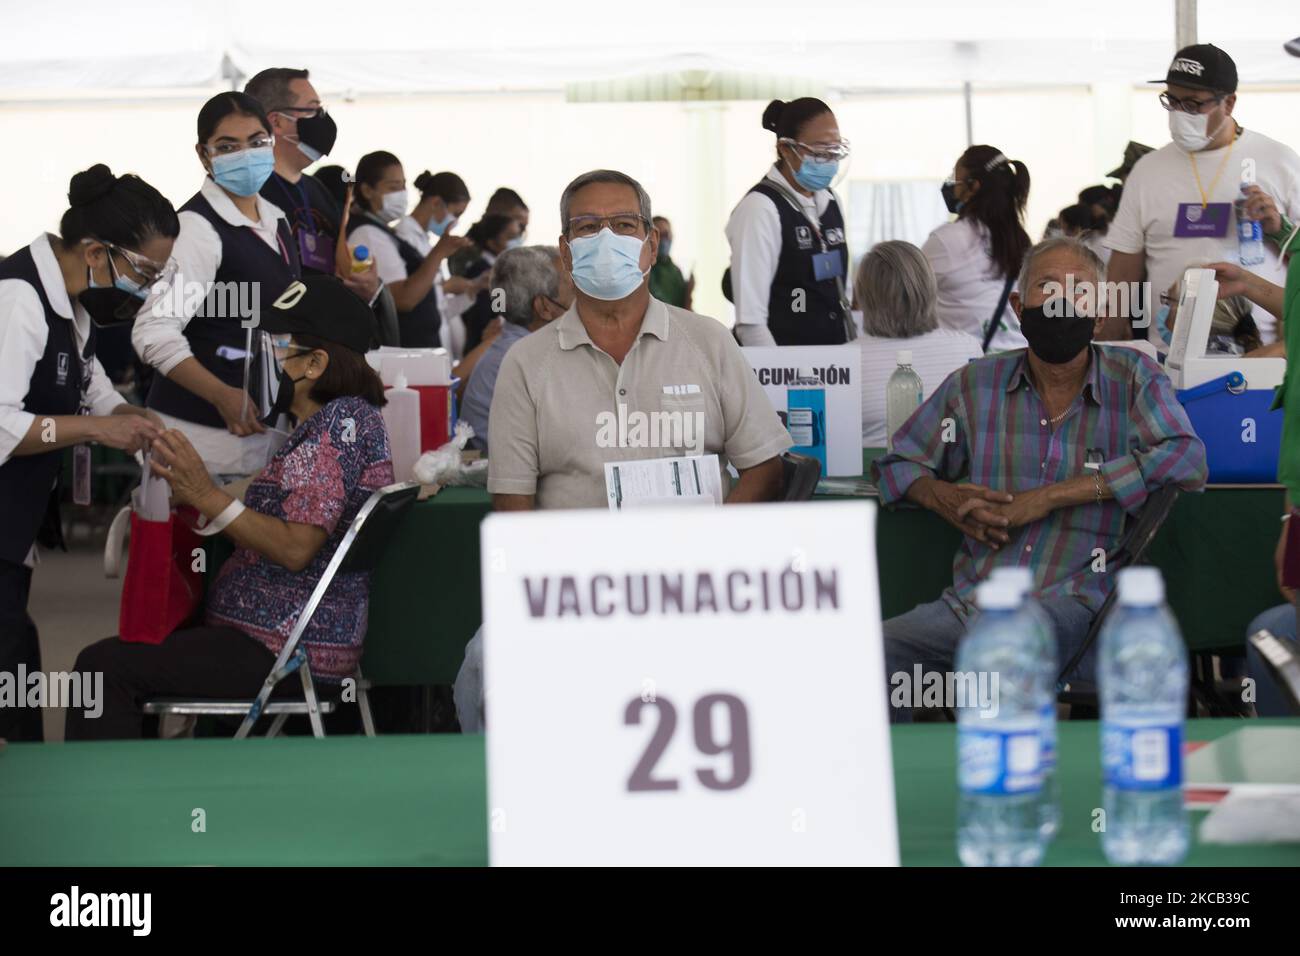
896, 291
294, 515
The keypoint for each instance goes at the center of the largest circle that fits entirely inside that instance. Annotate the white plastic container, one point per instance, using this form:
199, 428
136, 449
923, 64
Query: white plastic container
402, 419
420, 366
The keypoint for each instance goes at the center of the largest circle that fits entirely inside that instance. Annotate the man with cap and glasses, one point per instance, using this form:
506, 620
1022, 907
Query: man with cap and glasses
1178, 207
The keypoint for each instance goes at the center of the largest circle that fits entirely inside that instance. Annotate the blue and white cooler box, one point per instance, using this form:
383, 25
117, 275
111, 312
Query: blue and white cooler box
1228, 398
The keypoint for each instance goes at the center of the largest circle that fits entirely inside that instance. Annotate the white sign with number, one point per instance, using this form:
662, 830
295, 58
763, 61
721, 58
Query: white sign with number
839, 369
686, 686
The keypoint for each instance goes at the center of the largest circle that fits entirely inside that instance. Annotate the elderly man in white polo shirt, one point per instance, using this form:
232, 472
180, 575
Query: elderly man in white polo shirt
617, 346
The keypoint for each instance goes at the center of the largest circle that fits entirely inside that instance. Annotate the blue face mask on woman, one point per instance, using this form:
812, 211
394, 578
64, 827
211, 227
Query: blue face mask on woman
814, 176
606, 266
439, 226
245, 172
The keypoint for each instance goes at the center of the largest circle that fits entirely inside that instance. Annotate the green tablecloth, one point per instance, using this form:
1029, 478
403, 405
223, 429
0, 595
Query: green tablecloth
418, 800
1216, 551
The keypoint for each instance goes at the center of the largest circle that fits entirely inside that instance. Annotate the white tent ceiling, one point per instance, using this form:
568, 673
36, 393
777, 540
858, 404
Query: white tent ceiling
85, 49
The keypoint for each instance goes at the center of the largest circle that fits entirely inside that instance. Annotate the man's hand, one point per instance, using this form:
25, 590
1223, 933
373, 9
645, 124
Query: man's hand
364, 283
1258, 204
966, 507
1025, 507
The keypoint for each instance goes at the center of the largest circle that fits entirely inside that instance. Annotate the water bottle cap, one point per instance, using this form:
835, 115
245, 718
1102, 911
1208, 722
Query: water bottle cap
807, 374
904, 356
997, 594
399, 380
1022, 579
361, 253
1141, 587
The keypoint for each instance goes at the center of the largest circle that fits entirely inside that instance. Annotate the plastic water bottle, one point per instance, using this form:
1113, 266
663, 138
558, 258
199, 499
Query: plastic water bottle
1049, 819
999, 739
1143, 677
361, 259
902, 396
1250, 232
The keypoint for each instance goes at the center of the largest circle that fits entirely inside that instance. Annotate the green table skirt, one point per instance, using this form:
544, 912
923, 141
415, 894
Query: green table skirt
418, 800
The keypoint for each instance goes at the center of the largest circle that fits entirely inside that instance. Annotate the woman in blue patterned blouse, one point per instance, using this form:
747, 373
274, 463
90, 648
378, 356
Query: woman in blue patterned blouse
293, 517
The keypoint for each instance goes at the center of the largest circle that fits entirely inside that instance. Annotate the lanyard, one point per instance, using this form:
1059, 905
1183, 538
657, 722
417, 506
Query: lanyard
306, 220
1205, 199
798, 207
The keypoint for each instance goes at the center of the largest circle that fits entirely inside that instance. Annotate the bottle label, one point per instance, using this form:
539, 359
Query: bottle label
1145, 757
1048, 718
999, 761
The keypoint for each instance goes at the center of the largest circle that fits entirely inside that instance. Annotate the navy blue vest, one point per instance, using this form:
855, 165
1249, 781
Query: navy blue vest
245, 259
421, 328
822, 320
56, 388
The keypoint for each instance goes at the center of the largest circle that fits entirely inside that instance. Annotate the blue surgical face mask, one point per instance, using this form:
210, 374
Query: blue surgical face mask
606, 266
814, 176
439, 226
245, 172
1162, 316
515, 243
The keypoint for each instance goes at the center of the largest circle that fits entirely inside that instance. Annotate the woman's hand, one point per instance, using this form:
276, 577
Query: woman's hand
174, 459
238, 412
129, 432
448, 245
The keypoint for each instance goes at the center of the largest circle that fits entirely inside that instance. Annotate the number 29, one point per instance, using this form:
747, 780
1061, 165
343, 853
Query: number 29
736, 742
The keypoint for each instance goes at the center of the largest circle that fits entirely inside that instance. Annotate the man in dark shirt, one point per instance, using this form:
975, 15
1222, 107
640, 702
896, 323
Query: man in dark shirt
304, 133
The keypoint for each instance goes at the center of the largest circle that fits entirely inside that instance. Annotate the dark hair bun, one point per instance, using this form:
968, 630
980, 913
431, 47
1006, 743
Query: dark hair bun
424, 181
90, 185
772, 115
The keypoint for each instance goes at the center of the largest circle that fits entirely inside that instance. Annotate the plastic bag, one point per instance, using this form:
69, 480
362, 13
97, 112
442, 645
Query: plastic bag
444, 466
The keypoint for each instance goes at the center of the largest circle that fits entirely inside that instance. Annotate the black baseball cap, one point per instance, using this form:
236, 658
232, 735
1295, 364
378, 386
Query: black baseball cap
1202, 66
321, 305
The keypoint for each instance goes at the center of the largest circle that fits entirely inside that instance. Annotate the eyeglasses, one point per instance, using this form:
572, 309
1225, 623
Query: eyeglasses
821, 152
1174, 105
620, 224
283, 348
230, 149
309, 110
148, 270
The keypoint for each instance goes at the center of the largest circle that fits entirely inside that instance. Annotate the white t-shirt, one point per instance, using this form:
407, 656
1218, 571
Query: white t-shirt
969, 283
1163, 179
935, 355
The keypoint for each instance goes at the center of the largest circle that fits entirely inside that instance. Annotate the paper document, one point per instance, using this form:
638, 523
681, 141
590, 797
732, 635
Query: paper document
694, 479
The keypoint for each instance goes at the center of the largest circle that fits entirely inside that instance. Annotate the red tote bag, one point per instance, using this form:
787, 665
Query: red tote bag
162, 590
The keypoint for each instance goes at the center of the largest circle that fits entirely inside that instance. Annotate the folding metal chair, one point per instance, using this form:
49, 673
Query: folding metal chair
1132, 549
800, 474
360, 550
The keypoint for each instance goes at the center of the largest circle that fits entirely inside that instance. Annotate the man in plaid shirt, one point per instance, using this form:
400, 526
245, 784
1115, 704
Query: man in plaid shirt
1037, 455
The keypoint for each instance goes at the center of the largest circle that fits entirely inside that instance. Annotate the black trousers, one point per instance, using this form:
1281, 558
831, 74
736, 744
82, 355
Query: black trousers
194, 662
18, 646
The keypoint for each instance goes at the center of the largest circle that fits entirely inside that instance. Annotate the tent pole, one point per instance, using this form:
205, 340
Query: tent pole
970, 126
1184, 23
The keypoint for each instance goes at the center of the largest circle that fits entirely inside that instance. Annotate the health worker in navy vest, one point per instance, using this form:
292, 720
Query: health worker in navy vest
215, 378
443, 198
294, 515
114, 241
492, 235
381, 200
789, 261
304, 134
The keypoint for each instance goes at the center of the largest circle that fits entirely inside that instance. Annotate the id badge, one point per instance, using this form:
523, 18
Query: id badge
1203, 222
81, 474
827, 265
315, 251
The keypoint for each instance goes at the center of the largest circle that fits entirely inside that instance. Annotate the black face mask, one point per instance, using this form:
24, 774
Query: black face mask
283, 398
1058, 337
319, 132
109, 305
950, 199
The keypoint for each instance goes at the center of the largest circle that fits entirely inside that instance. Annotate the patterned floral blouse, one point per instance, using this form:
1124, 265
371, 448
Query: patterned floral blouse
321, 476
